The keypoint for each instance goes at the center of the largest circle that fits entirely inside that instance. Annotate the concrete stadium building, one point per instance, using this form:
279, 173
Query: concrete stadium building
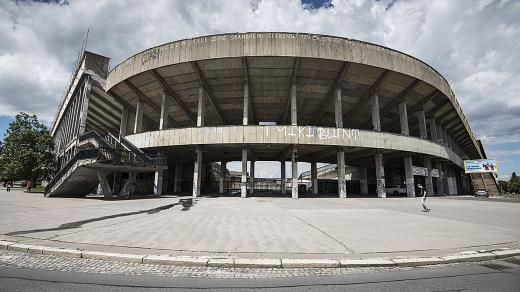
168, 119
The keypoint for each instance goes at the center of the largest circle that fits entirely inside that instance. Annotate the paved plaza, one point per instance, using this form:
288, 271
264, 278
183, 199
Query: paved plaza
263, 227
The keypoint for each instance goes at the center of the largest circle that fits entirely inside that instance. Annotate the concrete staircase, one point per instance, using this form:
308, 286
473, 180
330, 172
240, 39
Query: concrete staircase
485, 181
98, 155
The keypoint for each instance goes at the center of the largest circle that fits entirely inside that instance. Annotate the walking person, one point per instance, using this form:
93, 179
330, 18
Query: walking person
9, 185
423, 199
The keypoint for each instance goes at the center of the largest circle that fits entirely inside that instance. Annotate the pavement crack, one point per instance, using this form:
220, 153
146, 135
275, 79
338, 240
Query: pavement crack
350, 250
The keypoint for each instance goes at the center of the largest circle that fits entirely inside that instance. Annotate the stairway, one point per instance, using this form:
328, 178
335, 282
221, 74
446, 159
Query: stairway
485, 181
98, 154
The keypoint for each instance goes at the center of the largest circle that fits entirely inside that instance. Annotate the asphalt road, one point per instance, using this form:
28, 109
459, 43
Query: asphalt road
491, 276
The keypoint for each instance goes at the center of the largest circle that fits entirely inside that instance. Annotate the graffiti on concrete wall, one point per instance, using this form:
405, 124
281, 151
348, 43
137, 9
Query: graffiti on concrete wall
321, 133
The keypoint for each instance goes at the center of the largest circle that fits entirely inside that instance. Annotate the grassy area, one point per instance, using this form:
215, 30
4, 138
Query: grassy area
38, 189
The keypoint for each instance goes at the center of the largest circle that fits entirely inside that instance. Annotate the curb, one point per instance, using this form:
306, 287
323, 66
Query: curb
468, 256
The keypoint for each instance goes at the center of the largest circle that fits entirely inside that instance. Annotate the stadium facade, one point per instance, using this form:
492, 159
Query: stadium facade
168, 119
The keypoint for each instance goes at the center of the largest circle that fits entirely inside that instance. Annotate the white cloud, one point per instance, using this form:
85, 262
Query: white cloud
473, 44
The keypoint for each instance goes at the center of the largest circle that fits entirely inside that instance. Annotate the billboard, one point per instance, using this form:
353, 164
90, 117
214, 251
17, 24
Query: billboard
481, 165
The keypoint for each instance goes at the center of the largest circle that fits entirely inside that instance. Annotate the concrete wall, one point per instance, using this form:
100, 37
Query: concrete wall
298, 135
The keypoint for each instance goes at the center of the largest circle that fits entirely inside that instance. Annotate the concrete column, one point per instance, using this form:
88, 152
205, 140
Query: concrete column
363, 183
104, 186
423, 132
342, 187
314, 177
380, 175
376, 120
403, 117
282, 178
200, 108
440, 185
445, 136
177, 182
83, 109
433, 129
124, 122
252, 175
222, 186
243, 181
245, 117
197, 172
428, 181
338, 108
138, 125
440, 135
165, 107
294, 165
294, 108
128, 187
158, 182
408, 171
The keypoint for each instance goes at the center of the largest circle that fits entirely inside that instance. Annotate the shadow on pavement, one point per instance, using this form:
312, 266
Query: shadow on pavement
78, 224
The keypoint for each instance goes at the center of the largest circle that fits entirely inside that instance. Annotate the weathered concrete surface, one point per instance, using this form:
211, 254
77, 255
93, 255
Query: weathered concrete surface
299, 135
283, 44
262, 227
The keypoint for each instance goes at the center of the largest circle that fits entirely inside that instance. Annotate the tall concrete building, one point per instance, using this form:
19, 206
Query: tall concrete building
168, 119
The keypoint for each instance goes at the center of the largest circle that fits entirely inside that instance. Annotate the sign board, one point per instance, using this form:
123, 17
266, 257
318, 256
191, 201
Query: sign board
423, 171
480, 165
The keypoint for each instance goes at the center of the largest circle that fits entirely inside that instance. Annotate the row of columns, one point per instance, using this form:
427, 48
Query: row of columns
376, 122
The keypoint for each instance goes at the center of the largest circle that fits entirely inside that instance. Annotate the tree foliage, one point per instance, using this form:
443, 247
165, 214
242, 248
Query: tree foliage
513, 185
27, 151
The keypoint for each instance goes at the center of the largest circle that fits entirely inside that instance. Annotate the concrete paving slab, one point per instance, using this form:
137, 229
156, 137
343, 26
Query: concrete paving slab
412, 262
222, 263
62, 252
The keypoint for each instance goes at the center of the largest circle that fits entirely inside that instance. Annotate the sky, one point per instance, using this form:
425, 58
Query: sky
474, 44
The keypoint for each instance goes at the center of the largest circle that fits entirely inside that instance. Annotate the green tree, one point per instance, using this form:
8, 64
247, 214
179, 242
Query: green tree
514, 184
27, 151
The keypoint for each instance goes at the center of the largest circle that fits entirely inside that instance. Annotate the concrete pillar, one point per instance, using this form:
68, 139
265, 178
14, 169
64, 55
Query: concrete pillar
158, 182
104, 186
423, 132
363, 183
243, 181
445, 136
128, 186
294, 165
408, 171
376, 120
294, 108
245, 117
282, 177
177, 182
403, 118
342, 187
428, 181
252, 175
338, 108
433, 129
124, 122
165, 107
314, 177
200, 108
380, 175
138, 125
197, 172
222, 186
440, 185
84, 107
440, 135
